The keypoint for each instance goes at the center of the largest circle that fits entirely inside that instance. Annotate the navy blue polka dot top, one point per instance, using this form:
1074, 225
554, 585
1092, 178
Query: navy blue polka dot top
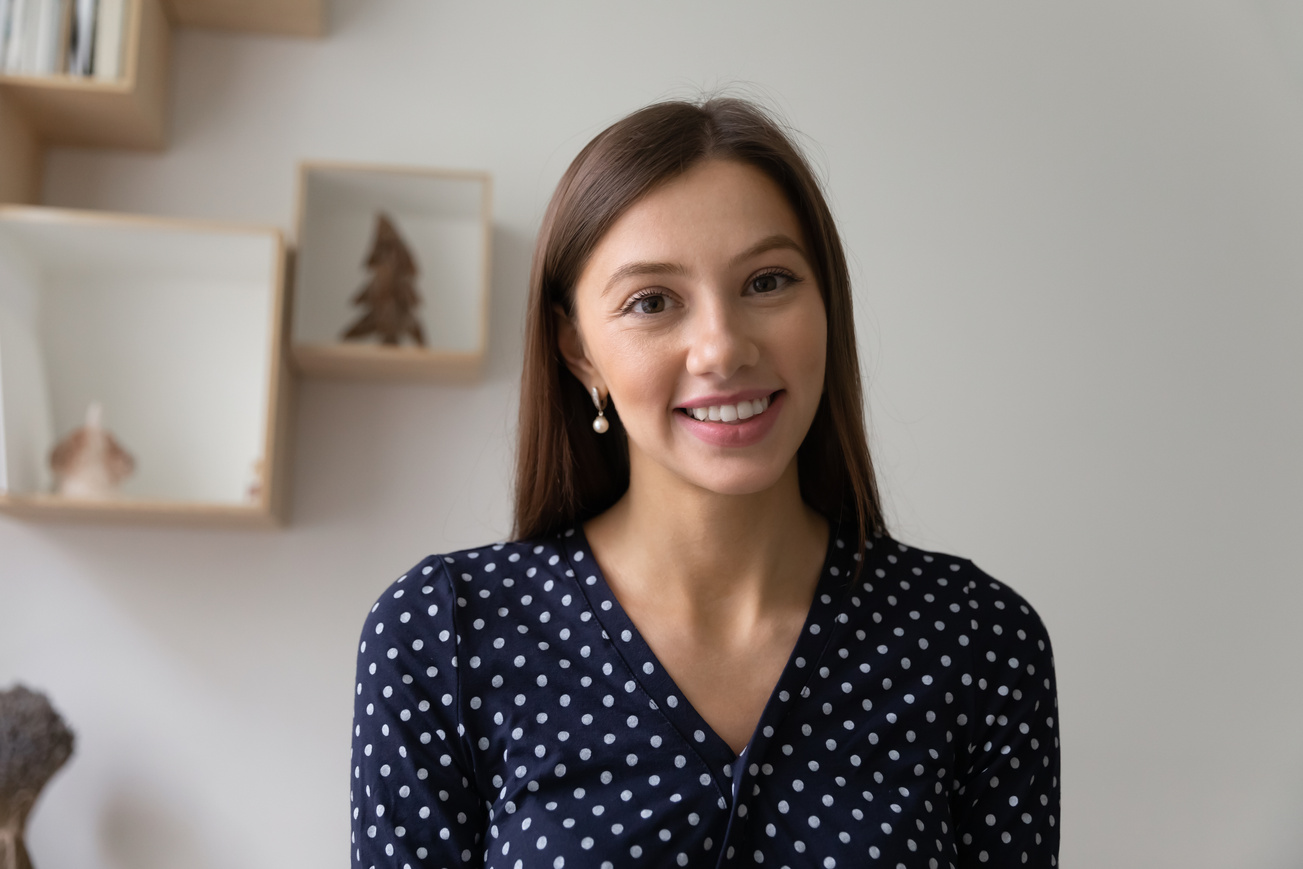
508, 714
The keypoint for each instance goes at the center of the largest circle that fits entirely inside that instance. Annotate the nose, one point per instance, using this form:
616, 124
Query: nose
721, 341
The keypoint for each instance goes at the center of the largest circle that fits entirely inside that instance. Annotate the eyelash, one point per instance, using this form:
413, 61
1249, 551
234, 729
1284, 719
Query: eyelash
775, 272
651, 293
638, 297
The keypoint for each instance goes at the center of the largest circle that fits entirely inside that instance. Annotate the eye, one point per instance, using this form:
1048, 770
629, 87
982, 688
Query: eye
646, 302
770, 282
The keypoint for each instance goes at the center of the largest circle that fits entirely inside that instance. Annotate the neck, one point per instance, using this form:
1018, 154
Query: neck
710, 556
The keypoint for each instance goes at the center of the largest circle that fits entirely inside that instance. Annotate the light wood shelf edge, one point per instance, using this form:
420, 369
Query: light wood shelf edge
280, 396
273, 17
378, 362
393, 169
137, 512
53, 214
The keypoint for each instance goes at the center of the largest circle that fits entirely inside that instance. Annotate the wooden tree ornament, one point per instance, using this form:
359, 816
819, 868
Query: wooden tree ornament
389, 298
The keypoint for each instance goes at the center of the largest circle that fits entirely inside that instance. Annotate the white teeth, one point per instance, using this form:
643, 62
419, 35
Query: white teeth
731, 412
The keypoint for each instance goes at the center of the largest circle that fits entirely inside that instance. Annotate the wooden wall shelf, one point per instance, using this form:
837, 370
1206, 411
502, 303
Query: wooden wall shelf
445, 218
280, 17
51, 508
130, 112
190, 473
37, 112
178, 327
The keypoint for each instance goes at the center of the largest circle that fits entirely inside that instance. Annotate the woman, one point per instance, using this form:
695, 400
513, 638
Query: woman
703, 650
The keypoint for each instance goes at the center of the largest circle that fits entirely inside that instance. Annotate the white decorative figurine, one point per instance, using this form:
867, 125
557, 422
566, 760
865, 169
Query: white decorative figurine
89, 463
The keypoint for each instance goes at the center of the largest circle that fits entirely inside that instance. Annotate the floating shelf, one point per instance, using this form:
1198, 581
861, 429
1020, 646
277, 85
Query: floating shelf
37, 112
444, 217
177, 328
129, 112
282, 17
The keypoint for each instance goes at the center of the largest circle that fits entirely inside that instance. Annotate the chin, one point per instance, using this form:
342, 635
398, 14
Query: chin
741, 482
711, 470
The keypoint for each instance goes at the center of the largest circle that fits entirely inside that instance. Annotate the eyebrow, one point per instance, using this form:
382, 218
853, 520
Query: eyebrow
640, 268
637, 269
773, 242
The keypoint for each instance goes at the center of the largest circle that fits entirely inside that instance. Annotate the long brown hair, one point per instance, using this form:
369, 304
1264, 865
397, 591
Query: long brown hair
565, 473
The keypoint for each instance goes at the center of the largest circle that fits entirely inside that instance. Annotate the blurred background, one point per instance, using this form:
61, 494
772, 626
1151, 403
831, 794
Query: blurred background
1076, 235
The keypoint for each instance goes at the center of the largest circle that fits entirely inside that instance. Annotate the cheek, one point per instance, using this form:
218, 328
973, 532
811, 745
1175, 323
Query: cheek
804, 342
639, 373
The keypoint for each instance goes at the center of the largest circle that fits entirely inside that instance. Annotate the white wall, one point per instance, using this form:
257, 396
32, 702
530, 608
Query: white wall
1075, 231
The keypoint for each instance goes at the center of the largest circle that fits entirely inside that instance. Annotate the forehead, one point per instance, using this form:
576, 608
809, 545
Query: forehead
702, 218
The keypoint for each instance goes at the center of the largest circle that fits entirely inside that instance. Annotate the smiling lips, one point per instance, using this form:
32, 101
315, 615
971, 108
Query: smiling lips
741, 424
730, 412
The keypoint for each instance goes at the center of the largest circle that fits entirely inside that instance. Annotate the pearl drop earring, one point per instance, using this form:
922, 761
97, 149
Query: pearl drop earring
600, 425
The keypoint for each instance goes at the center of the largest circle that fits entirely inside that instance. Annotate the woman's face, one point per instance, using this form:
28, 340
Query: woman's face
699, 314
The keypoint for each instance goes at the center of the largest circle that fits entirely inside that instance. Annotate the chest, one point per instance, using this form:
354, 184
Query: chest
728, 684
601, 757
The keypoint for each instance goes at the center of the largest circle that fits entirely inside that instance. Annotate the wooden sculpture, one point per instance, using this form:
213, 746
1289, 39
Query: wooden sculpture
89, 463
389, 298
34, 743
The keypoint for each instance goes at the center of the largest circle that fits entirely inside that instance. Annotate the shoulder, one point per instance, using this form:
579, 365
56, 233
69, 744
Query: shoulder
982, 642
500, 564
987, 613
466, 578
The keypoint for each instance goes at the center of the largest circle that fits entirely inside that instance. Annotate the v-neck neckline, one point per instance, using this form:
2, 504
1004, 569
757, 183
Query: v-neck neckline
646, 671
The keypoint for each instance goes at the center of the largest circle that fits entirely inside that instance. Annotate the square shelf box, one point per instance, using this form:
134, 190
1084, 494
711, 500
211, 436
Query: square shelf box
443, 218
129, 111
176, 328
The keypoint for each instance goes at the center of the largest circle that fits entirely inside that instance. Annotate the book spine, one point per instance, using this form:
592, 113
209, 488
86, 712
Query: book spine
6, 6
83, 37
107, 56
11, 39
17, 30
31, 37
63, 38
46, 48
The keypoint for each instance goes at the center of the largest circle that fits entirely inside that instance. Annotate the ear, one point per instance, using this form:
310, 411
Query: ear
571, 344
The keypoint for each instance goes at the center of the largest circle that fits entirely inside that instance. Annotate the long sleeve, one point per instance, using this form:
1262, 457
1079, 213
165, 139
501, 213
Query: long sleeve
414, 804
1006, 801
